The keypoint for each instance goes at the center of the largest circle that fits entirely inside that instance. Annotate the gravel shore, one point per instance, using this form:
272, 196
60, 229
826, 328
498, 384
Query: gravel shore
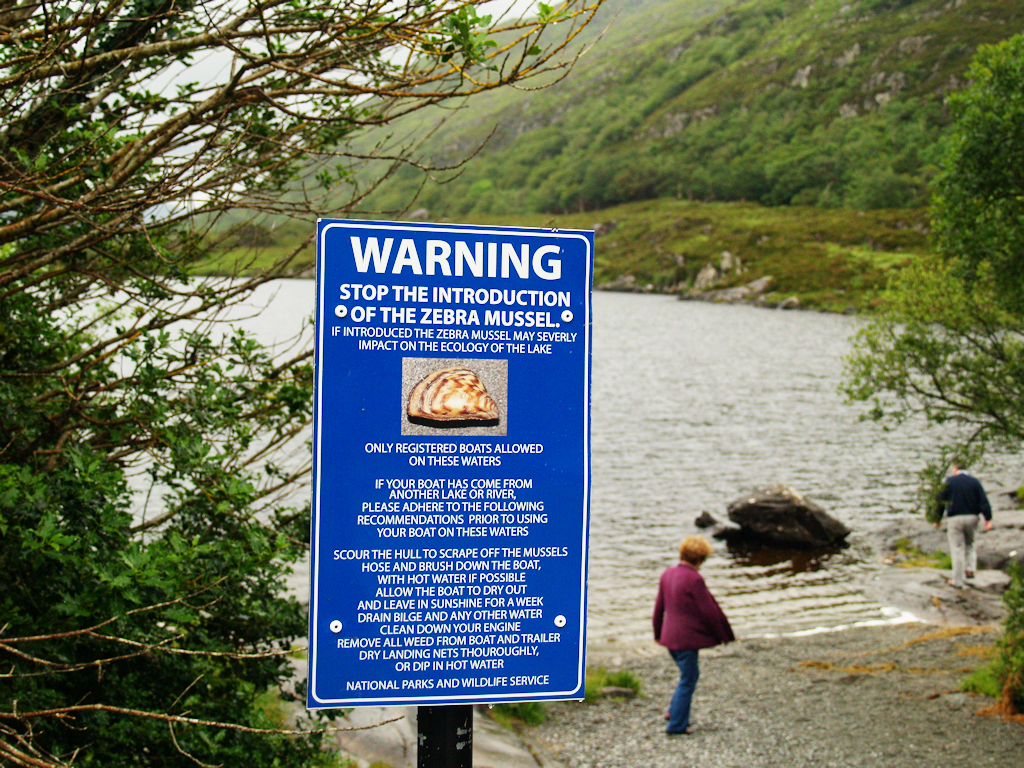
868, 696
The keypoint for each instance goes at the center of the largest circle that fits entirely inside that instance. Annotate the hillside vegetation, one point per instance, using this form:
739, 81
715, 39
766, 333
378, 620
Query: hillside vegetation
832, 260
835, 260
830, 103
797, 136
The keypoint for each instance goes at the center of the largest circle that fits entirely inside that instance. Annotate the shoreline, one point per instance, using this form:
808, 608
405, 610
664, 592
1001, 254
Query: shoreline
924, 591
863, 696
741, 295
859, 694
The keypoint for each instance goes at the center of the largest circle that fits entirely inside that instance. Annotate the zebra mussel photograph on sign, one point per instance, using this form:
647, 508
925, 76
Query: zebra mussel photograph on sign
451, 477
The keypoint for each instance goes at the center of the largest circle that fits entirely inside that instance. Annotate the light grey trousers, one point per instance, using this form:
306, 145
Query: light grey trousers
960, 533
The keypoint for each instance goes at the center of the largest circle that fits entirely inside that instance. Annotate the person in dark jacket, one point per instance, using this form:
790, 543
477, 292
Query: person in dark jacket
686, 619
962, 499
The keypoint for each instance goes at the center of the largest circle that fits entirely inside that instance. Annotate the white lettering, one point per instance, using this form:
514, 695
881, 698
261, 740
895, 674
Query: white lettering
554, 269
469, 259
475, 261
407, 256
380, 260
438, 252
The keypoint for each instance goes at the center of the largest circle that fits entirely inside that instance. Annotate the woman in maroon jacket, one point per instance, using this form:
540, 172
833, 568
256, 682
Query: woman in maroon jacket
686, 619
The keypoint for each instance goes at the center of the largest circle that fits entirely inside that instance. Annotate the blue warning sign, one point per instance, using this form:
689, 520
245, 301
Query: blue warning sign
451, 464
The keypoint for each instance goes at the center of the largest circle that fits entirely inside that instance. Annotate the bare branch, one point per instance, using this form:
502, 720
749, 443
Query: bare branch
64, 712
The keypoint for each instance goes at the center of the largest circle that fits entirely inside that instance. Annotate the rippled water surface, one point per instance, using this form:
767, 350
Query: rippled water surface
693, 405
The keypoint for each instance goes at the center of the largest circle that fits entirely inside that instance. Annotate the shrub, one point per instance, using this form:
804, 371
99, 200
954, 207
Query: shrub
1003, 677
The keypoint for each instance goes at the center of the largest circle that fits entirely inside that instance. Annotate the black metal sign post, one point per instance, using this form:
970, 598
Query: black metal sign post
445, 737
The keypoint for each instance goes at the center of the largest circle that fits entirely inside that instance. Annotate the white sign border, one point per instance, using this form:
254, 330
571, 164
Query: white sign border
322, 703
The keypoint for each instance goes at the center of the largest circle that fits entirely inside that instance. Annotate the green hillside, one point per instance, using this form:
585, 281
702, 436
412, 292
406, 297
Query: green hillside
798, 136
836, 260
830, 103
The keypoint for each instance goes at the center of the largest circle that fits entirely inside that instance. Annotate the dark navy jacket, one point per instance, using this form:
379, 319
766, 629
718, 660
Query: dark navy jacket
963, 495
686, 616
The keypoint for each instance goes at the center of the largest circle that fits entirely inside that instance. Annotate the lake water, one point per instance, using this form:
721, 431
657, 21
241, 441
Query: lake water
695, 404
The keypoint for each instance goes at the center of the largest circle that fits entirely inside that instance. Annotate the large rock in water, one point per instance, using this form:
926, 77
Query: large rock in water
780, 516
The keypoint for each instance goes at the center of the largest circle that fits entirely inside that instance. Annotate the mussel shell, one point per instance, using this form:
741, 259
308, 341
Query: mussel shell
451, 394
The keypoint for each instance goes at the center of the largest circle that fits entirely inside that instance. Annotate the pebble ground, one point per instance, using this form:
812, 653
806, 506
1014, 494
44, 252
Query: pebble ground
871, 696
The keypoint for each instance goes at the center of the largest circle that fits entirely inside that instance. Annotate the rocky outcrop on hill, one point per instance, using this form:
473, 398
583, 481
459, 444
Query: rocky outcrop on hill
749, 292
254, 236
626, 284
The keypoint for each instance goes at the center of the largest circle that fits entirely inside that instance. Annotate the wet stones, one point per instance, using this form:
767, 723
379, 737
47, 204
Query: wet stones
705, 520
779, 516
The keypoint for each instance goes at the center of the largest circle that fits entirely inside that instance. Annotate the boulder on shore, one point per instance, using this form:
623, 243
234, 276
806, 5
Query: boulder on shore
779, 516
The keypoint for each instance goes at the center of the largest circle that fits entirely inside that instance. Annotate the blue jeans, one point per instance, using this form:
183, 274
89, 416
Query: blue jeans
679, 709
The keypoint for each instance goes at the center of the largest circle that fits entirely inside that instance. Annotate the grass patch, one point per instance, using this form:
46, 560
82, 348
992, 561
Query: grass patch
599, 678
250, 260
247, 248
253, 259
520, 712
984, 680
911, 556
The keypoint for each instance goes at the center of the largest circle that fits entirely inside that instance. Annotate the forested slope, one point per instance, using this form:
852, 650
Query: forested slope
833, 103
